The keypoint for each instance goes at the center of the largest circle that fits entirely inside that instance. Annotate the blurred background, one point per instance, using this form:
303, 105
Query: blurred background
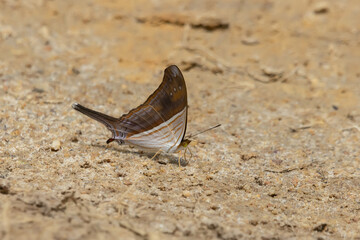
282, 77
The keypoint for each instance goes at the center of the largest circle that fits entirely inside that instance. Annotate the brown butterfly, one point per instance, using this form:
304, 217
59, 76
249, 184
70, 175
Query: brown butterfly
159, 124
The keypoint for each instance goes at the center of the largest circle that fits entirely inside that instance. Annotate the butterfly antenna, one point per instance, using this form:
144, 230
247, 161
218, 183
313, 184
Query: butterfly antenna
204, 131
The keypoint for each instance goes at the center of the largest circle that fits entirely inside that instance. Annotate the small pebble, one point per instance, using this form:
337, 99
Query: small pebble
127, 183
321, 8
75, 71
74, 139
55, 145
248, 40
190, 171
271, 71
208, 192
186, 194
214, 207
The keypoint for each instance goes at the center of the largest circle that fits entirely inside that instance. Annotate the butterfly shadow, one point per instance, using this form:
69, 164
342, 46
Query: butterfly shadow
162, 158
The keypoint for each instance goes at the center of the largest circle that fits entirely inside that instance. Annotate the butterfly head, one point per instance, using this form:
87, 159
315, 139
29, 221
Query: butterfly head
184, 144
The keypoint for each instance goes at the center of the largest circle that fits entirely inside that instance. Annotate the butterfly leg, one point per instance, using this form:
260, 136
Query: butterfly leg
191, 155
184, 157
155, 154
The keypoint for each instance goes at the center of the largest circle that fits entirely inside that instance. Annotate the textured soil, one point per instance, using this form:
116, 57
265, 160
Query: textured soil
282, 77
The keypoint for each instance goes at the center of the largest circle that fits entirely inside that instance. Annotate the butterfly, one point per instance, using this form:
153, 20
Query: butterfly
157, 125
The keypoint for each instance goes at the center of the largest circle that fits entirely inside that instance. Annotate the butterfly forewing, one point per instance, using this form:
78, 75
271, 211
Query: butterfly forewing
159, 123
169, 99
163, 115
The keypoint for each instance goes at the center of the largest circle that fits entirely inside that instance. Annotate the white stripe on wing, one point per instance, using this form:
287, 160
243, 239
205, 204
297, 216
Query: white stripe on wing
167, 136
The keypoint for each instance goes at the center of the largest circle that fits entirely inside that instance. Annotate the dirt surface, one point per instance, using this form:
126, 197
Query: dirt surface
282, 77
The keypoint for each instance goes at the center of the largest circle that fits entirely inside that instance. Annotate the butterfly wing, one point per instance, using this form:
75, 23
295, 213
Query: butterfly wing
119, 132
162, 118
159, 123
167, 136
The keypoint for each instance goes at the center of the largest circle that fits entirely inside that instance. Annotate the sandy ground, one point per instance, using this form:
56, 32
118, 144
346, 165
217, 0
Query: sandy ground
282, 77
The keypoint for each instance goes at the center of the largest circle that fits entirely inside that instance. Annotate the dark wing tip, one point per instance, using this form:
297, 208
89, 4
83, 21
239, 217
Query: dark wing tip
173, 70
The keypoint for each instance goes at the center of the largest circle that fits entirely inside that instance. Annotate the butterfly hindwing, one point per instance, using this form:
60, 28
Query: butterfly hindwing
159, 123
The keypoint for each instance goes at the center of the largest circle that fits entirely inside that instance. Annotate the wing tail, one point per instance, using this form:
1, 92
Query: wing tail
107, 120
